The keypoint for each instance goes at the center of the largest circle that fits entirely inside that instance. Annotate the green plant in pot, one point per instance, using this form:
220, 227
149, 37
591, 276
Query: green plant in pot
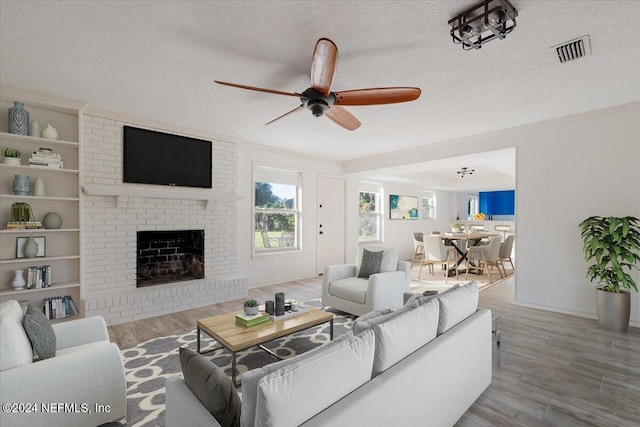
11, 156
614, 244
250, 307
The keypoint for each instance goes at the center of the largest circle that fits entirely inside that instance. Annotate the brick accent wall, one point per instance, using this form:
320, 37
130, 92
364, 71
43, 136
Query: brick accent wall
109, 233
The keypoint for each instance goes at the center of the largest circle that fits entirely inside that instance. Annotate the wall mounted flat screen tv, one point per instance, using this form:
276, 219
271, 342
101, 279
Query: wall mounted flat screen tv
163, 159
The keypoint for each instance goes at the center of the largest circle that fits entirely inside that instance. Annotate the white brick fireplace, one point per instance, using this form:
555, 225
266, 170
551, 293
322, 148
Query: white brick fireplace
110, 225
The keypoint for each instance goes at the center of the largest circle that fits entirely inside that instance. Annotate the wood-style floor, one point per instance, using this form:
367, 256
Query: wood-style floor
557, 370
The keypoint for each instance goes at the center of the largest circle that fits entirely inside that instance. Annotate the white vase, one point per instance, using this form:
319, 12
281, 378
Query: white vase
49, 132
18, 281
38, 187
35, 129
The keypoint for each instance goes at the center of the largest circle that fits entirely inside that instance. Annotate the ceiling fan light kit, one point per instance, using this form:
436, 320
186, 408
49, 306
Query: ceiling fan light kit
486, 21
322, 102
465, 171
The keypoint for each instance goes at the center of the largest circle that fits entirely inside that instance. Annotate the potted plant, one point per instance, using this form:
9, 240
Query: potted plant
250, 307
614, 244
11, 156
456, 227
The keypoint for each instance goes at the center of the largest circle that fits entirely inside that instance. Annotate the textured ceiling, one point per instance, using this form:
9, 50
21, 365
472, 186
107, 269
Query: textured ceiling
158, 60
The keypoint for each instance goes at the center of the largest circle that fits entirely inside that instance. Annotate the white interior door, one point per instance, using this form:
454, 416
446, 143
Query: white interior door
331, 221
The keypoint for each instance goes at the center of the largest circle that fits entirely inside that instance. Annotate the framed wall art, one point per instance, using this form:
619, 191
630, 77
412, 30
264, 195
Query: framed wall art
403, 207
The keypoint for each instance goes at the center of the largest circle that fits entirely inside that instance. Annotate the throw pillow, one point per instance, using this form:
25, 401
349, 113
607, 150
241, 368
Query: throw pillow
370, 264
15, 348
40, 332
212, 387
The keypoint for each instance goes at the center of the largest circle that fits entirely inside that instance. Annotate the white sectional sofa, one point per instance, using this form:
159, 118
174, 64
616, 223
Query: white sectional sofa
422, 365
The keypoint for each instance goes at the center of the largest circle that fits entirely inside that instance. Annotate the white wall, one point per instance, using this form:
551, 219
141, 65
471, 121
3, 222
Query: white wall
263, 269
567, 169
397, 233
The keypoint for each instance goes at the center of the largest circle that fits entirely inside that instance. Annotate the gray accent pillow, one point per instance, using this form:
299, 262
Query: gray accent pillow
360, 324
212, 387
40, 332
370, 263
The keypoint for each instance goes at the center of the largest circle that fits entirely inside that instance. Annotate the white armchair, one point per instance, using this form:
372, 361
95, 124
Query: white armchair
87, 369
343, 290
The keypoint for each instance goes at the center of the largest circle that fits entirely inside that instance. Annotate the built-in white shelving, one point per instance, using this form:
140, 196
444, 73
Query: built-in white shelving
63, 248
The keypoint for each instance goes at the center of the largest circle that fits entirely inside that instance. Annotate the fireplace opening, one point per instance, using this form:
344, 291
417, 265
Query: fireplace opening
169, 256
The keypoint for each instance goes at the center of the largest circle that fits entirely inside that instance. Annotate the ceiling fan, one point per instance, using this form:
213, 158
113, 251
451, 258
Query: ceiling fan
321, 101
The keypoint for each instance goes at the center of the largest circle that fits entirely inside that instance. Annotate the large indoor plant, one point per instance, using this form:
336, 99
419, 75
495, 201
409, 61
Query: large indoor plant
614, 244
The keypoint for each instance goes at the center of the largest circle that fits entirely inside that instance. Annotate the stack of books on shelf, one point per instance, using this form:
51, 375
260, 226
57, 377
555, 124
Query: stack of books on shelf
248, 321
23, 225
45, 157
59, 307
39, 277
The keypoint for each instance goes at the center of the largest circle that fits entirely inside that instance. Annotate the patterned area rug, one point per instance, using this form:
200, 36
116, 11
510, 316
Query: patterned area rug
147, 365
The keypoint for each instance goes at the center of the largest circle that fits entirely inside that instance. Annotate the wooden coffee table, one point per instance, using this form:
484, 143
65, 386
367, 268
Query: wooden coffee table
235, 338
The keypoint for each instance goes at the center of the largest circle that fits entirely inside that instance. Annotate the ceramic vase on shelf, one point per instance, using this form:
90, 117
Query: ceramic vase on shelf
52, 220
18, 281
35, 129
49, 132
18, 119
21, 185
38, 187
31, 248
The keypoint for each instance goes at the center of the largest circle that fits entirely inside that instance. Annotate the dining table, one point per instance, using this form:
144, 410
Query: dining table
457, 241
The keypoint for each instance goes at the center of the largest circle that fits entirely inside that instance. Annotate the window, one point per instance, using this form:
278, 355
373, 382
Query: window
429, 205
370, 215
276, 210
472, 205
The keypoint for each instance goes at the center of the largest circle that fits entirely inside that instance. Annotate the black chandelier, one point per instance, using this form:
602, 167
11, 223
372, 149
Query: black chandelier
486, 21
465, 171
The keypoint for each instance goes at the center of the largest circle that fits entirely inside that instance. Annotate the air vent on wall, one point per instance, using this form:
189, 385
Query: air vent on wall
573, 49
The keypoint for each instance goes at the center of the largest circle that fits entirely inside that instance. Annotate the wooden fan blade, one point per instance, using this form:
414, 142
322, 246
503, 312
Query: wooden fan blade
301, 107
259, 89
323, 65
342, 117
375, 96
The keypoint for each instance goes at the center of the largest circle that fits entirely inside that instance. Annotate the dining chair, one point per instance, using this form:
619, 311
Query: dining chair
502, 229
506, 248
487, 255
418, 247
436, 252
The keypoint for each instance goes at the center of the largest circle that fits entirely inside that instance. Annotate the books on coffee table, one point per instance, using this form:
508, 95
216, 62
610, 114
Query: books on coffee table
248, 320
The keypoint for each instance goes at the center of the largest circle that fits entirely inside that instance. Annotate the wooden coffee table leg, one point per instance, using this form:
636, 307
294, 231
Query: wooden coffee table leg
198, 328
331, 330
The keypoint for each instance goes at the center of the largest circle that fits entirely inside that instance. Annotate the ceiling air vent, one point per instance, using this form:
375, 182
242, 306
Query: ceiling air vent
573, 49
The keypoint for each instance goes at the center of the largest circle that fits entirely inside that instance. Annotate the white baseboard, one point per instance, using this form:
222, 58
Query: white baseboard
585, 314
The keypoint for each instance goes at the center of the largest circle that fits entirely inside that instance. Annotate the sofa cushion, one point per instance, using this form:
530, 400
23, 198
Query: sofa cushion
15, 348
423, 299
251, 378
293, 394
457, 305
370, 320
212, 387
370, 263
40, 332
351, 289
402, 335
